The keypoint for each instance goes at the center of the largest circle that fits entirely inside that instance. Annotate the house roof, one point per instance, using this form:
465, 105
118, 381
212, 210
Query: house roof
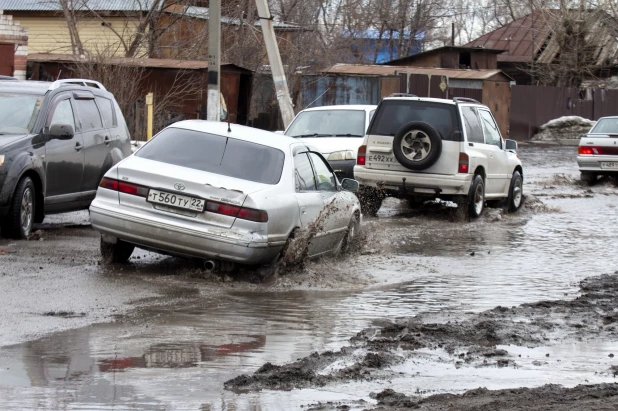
407, 59
98, 5
529, 38
134, 62
381, 70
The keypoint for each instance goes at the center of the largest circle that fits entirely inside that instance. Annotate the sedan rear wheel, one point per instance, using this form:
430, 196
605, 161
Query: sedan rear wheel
116, 253
588, 177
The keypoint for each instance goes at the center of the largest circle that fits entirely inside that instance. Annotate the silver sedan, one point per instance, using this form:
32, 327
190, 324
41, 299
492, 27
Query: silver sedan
224, 193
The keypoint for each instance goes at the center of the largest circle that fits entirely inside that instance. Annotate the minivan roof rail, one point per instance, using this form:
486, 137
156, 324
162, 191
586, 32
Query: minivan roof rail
77, 81
465, 100
403, 95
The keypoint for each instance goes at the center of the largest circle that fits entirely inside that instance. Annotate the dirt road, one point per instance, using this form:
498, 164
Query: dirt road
410, 318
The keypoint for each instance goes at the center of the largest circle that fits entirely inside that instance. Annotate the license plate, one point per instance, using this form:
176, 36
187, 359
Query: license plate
609, 164
176, 200
380, 159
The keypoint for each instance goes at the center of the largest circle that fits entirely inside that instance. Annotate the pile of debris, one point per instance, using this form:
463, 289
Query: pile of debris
564, 128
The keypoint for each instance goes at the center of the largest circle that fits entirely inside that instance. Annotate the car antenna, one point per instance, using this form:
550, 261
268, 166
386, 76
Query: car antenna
229, 129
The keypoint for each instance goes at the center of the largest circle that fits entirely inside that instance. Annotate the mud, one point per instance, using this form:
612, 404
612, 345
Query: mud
546, 398
471, 340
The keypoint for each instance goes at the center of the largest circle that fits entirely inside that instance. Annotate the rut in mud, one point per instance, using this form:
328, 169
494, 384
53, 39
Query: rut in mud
546, 398
471, 339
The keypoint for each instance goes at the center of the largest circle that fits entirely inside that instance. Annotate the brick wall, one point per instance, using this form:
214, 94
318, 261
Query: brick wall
11, 32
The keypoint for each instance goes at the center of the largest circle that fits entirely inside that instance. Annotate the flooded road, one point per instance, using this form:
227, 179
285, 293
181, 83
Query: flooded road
187, 334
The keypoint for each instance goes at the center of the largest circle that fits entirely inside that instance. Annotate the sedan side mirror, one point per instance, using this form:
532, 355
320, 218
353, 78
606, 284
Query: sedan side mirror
350, 185
511, 145
61, 131
279, 132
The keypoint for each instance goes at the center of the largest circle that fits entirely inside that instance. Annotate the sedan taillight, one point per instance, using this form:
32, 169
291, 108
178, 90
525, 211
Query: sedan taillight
251, 214
589, 150
124, 187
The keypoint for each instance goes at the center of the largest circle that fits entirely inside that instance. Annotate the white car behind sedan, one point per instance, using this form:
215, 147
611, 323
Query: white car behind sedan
235, 195
336, 131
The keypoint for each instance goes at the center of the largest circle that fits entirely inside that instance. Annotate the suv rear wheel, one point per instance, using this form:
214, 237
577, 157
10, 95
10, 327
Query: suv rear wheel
370, 200
417, 145
476, 198
20, 218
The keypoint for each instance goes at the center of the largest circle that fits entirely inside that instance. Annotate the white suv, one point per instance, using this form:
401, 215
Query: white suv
423, 148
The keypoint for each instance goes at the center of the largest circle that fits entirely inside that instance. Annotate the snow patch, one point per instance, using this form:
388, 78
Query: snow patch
566, 127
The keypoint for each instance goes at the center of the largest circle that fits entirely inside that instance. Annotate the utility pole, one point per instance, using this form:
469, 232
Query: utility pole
214, 61
276, 66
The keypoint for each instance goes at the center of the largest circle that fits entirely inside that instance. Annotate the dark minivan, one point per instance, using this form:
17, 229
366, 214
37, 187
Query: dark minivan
57, 140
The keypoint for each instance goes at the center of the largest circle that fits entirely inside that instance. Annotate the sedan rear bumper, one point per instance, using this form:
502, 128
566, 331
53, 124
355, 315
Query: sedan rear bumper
594, 164
214, 243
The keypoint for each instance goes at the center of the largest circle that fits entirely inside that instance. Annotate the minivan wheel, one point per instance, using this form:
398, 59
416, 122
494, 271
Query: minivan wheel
516, 192
417, 145
20, 217
116, 253
476, 198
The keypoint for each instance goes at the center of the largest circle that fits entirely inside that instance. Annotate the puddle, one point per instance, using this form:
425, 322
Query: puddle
177, 356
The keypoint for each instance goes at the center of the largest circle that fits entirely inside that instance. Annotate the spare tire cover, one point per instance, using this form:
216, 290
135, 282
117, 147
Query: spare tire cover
417, 145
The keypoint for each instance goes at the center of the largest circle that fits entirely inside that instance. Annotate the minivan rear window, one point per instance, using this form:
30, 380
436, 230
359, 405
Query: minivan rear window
216, 154
392, 114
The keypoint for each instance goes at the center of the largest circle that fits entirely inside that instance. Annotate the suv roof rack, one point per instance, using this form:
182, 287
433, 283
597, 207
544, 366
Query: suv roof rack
465, 100
77, 81
403, 95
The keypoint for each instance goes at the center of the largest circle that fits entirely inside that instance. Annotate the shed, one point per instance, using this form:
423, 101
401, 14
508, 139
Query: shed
161, 76
478, 58
368, 84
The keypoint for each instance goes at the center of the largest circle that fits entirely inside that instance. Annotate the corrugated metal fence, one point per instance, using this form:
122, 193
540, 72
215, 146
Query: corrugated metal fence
533, 106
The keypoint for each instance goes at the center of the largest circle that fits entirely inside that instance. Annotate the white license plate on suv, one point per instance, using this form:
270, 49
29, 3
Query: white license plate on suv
380, 158
609, 164
176, 200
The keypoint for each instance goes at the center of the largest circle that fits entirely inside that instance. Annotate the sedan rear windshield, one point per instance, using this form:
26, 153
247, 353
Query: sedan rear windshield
216, 154
606, 126
392, 114
18, 112
328, 123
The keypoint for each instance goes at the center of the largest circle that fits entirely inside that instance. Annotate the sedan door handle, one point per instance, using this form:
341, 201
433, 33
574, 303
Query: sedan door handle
78, 146
107, 140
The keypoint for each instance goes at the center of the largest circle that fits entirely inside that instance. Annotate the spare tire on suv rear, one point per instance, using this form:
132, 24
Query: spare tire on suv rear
417, 145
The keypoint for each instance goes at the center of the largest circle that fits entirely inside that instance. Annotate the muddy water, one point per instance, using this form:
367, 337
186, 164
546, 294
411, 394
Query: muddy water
176, 356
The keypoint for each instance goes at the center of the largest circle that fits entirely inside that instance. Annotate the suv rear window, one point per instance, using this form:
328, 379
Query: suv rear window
216, 154
392, 114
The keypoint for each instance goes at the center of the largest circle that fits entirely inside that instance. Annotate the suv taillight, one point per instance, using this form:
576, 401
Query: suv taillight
463, 163
361, 157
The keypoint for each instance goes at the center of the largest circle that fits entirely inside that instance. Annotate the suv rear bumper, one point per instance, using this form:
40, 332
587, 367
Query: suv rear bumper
415, 183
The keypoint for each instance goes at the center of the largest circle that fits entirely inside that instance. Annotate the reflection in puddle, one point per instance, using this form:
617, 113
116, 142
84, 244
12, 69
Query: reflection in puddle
178, 356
